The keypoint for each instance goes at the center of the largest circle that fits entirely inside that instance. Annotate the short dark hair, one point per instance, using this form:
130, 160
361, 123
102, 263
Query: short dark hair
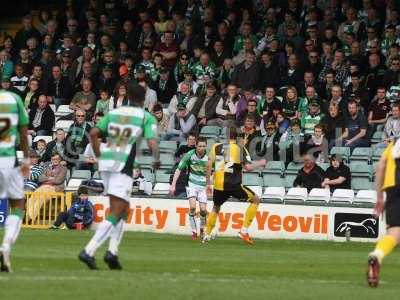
202, 139
157, 107
233, 134
136, 95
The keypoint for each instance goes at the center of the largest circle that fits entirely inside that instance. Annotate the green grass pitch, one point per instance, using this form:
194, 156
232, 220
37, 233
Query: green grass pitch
174, 267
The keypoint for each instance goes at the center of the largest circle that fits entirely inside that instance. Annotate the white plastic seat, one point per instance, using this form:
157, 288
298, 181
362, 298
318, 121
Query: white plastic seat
256, 189
365, 196
74, 182
63, 124
319, 195
342, 196
46, 138
274, 192
296, 194
63, 110
161, 188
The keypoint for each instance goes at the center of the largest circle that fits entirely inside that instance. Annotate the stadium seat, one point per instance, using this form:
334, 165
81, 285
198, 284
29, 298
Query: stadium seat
365, 197
361, 183
210, 131
46, 138
258, 190
73, 184
377, 153
96, 175
145, 161
293, 168
167, 146
274, 167
342, 196
360, 169
161, 188
63, 124
343, 152
296, 195
289, 179
319, 196
148, 174
274, 194
361, 154
82, 174
162, 177
167, 160
251, 179
53, 107
377, 137
63, 110
273, 180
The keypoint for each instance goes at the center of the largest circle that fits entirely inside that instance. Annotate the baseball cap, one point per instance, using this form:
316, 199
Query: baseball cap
181, 106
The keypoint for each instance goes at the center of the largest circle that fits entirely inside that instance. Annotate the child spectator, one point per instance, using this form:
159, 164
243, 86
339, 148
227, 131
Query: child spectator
103, 104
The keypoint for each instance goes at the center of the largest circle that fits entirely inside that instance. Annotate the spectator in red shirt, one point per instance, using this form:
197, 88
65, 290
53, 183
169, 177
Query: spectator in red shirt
168, 49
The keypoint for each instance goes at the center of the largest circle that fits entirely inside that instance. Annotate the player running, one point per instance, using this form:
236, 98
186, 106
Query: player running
196, 162
122, 127
226, 160
387, 180
13, 129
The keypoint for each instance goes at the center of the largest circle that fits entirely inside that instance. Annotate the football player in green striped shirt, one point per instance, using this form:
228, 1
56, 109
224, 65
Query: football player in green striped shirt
122, 127
195, 161
13, 130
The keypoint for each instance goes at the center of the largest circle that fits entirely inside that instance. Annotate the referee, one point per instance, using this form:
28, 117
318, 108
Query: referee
388, 181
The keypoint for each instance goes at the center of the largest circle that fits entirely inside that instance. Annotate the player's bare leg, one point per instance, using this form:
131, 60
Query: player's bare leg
203, 218
251, 212
382, 249
11, 232
118, 209
192, 217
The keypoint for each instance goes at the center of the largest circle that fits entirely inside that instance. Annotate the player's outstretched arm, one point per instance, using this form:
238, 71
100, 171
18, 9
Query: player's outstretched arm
94, 140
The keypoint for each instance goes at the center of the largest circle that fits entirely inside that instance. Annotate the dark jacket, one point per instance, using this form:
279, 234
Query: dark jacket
341, 171
47, 120
268, 76
165, 93
52, 149
246, 78
64, 89
210, 108
269, 151
310, 180
82, 211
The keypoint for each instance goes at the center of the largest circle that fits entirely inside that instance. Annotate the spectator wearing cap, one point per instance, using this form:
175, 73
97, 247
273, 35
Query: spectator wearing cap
162, 119
81, 211
204, 109
313, 117
41, 118
66, 66
337, 176
311, 175
68, 44
165, 86
59, 87
180, 124
246, 74
356, 128
356, 90
183, 96
6, 65
168, 49
31, 183
26, 32
7, 85
378, 111
267, 146
106, 81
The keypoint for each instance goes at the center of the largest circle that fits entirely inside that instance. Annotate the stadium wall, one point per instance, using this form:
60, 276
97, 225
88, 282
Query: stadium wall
273, 221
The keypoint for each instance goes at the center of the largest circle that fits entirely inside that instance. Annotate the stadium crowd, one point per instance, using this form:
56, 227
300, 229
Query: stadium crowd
290, 74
